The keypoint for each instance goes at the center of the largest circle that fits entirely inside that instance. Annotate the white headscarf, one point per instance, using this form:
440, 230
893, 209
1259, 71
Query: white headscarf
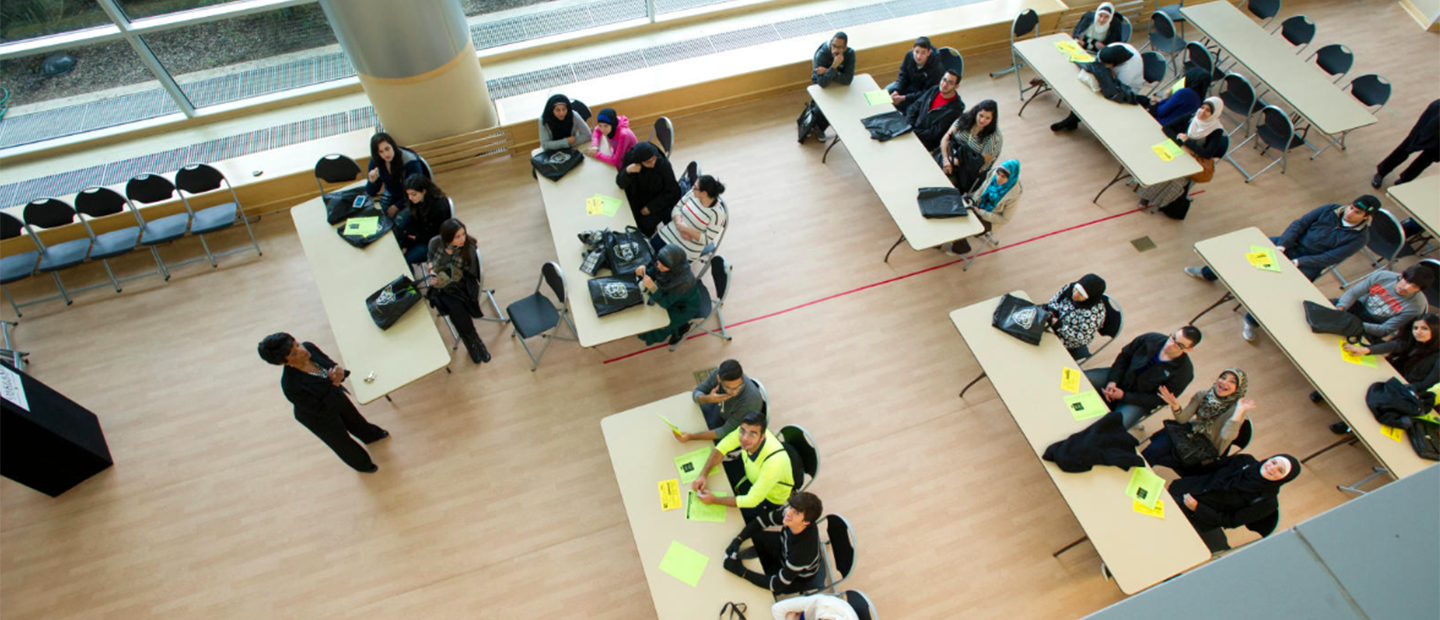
1199, 129
1097, 30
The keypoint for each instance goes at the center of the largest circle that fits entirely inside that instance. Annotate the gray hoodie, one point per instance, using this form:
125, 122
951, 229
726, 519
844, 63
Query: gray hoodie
1377, 297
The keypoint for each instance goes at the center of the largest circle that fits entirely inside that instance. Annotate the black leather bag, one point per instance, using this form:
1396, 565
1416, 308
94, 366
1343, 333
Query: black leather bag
811, 121
1327, 320
940, 202
627, 251
1393, 403
886, 126
340, 205
1425, 439
554, 164
383, 225
612, 294
965, 167
1021, 319
388, 304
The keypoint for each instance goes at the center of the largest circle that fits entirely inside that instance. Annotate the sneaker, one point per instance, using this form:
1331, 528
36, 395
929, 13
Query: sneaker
1339, 428
1247, 331
1377, 181
1196, 272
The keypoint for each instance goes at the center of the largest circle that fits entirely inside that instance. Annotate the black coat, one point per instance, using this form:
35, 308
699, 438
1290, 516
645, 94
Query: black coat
1110, 86
1219, 506
313, 397
1212, 146
1426, 132
914, 79
1106, 442
423, 225
651, 188
1134, 373
930, 125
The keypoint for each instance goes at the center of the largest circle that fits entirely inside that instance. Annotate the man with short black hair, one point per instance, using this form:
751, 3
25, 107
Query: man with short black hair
834, 62
919, 71
1386, 301
787, 544
935, 110
769, 478
724, 398
1150, 364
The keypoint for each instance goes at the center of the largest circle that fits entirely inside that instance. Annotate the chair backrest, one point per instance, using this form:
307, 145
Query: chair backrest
149, 188
580, 108
1334, 59
951, 59
199, 178
1371, 89
1264, 9
1432, 294
551, 274
1239, 95
1387, 237
1242, 438
804, 444
10, 226
1114, 318
1275, 127
99, 201
1024, 24
720, 273
840, 537
864, 609
1199, 56
1154, 66
1298, 30
1125, 28
691, 175
764, 394
49, 213
1161, 28
665, 133
337, 168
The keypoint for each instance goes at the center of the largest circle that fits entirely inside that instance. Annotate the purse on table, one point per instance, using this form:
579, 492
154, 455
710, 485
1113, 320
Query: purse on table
392, 301
1021, 319
612, 294
1326, 320
554, 164
940, 202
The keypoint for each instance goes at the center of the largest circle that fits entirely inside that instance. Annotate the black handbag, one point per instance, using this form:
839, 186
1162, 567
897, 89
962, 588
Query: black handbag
811, 121
1326, 320
627, 251
965, 167
612, 294
886, 126
736, 610
339, 206
940, 202
383, 224
554, 164
1393, 403
1425, 439
388, 304
1021, 319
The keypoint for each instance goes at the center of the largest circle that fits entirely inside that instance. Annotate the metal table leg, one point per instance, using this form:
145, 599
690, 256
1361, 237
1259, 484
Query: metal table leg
1355, 488
892, 248
1119, 175
1227, 297
968, 385
832, 145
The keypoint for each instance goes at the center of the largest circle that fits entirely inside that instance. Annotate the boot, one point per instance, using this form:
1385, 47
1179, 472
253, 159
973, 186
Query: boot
484, 353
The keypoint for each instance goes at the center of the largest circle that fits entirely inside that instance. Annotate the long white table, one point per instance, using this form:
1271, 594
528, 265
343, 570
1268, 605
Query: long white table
345, 275
565, 209
896, 168
1421, 198
1275, 301
642, 451
1139, 550
1127, 131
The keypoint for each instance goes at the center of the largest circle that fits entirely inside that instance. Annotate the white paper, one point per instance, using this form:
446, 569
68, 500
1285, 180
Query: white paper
11, 388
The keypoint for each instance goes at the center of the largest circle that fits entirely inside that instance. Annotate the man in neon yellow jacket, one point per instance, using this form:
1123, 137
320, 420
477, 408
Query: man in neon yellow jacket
769, 477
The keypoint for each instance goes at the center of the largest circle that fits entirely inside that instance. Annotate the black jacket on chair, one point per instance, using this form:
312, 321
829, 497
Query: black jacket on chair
930, 125
1139, 374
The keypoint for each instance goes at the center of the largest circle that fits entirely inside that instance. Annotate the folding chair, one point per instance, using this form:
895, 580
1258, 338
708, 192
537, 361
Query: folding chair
1173, 12
1334, 59
1432, 294
839, 538
1026, 22
54, 258
860, 602
804, 444
1386, 240
1275, 131
1263, 9
1198, 57
536, 315
336, 169
689, 177
1240, 99
1164, 39
151, 189
1155, 70
719, 270
1373, 91
1111, 328
488, 295
664, 131
951, 59
1298, 31
16, 267
100, 202
196, 179
580, 108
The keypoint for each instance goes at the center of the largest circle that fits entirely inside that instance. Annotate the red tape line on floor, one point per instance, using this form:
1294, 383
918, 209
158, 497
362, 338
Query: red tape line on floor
880, 283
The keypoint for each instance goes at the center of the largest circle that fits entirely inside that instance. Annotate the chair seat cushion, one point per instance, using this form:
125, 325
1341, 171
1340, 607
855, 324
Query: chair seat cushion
64, 255
17, 267
214, 218
533, 315
115, 243
168, 228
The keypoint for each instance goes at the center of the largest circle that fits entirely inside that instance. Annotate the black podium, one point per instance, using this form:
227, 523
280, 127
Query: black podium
51, 444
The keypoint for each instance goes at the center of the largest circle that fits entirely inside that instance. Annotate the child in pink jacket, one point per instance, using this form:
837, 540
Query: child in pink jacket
615, 129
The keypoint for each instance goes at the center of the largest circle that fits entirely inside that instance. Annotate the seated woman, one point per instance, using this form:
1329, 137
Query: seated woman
455, 284
1078, 311
1202, 137
420, 222
1203, 430
1182, 103
560, 127
675, 289
1414, 353
612, 137
1098, 28
390, 165
650, 185
699, 219
969, 149
994, 203
1242, 491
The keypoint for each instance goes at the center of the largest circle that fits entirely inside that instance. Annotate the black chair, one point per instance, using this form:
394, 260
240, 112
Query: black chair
804, 444
196, 179
664, 131
1240, 99
580, 108
1297, 30
864, 609
1383, 245
1125, 28
1173, 12
1276, 131
1242, 441
101, 202
1334, 59
54, 213
719, 270
16, 267
536, 315
1111, 328
1264, 9
336, 169
1198, 57
951, 59
1155, 69
839, 538
689, 177
150, 189
1163, 37
1026, 22
1373, 91
1432, 294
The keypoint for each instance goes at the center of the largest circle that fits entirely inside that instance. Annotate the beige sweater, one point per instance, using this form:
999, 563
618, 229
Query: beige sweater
1220, 434
1007, 207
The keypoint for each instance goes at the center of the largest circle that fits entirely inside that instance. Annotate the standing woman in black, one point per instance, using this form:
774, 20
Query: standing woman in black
311, 381
650, 186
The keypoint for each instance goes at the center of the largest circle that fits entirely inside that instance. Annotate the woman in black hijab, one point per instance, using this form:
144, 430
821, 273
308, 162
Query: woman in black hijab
1242, 491
560, 127
649, 184
1078, 312
675, 289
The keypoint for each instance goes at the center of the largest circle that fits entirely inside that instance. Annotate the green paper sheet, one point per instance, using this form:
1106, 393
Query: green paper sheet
1145, 487
1086, 405
689, 464
684, 563
1179, 84
696, 510
1361, 360
362, 226
877, 97
609, 206
673, 428
1270, 263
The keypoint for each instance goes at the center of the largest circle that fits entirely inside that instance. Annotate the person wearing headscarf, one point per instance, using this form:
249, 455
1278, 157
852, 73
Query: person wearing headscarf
1077, 312
560, 127
650, 186
1424, 138
1201, 136
672, 287
1119, 73
834, 62
1183, 102
1098, 28
612, 137
1241, 491
995, 202
1203, 430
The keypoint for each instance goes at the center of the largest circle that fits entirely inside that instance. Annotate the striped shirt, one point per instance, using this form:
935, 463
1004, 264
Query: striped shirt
800, 553
709, 221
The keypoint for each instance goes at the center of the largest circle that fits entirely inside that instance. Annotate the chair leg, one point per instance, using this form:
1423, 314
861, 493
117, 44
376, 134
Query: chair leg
205, 246
13, 305
61, 285
454, 337
534, 362
160, 263
490, 294
111, 273
548, 340
253, 242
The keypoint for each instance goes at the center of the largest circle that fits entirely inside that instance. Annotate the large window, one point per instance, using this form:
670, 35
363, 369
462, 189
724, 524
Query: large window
28, 19
58, 94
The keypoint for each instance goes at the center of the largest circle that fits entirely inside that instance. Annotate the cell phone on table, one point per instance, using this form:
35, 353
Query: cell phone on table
360, 201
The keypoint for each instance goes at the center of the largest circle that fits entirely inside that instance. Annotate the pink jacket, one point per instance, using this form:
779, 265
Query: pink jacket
624, 139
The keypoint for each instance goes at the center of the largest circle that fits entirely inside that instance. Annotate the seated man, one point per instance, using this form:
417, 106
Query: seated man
916, 75
786, 544
834, 62
1150, 362
935, 110
1323, 237
1386, 301
724, 398
769, 478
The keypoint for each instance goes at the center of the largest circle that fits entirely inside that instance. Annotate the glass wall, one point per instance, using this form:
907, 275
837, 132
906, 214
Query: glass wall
57, 94
28, 19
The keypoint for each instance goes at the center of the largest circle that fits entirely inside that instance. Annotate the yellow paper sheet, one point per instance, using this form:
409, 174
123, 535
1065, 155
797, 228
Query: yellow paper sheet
593, 206
1158, 511
1263, 258
1167, 150
684, 563
669, 494
1081, 57
608, 206
1359, 360
1070, 380
1398, 434
1068, 47
1145, 487
1179, 84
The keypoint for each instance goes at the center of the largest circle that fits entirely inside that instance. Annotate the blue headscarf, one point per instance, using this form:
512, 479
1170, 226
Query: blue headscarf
994, 192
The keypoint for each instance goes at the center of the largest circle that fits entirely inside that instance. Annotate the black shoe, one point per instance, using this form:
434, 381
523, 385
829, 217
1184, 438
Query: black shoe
484, 353
1315, 397
383, 434
473, 350
1377, 181
373, 468
1060, 126
1339, 428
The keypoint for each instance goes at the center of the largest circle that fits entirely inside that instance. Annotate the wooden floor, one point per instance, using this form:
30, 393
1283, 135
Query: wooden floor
495, 497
